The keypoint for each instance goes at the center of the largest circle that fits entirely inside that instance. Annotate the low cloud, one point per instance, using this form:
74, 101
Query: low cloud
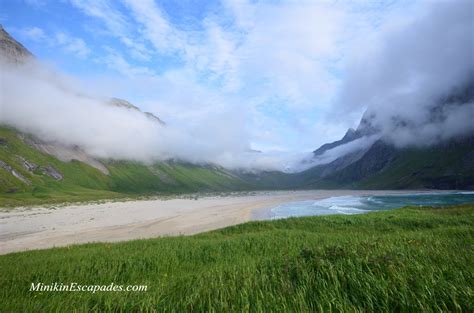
360, 144
249, 82
407, 75
40, 101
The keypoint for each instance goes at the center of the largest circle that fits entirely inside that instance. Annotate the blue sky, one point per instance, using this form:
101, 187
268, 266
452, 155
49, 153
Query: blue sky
272, 69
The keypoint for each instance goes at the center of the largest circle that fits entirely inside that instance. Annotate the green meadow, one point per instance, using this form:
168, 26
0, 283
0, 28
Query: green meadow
81, 182
404, 260
433, 168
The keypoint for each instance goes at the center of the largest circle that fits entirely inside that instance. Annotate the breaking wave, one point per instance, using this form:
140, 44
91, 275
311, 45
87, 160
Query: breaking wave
348, 205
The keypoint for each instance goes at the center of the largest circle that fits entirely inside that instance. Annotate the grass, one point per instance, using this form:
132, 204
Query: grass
444, 166
405, 260
434, 167
82, 182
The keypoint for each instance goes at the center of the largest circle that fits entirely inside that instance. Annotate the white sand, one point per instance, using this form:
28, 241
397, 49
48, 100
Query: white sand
39, 228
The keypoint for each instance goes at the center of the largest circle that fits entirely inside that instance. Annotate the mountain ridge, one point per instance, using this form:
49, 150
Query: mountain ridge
14, 53
359, 167
33, 170
11, 50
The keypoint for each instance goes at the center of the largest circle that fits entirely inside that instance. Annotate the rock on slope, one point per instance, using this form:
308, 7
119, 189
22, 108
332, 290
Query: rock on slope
11, 50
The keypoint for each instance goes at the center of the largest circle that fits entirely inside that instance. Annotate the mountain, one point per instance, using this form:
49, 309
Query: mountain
34, 170
121, 103
11, 50
350, 135
365, 128
34, 174
445, 165
14, 53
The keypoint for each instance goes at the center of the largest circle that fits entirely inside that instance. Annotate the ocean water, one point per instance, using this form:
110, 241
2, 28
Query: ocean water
364, 204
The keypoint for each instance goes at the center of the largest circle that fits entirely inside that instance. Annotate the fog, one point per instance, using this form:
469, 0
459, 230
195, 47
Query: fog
330, 155
41, 101
403, 75
414, 79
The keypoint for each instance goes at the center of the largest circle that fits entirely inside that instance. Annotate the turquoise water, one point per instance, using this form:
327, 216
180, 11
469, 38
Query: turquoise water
364, 204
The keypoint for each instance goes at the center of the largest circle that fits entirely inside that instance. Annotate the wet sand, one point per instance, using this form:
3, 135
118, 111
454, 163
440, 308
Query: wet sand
41, 227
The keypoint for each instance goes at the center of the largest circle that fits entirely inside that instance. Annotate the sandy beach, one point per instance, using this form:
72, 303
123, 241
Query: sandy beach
42, 227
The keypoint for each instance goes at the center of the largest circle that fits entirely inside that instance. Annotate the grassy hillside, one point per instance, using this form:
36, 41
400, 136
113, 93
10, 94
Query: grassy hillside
442, 167
446, 166
83, 182
405, 260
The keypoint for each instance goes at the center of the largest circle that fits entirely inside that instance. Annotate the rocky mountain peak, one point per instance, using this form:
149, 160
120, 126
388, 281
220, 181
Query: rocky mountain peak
350, 134
11, 50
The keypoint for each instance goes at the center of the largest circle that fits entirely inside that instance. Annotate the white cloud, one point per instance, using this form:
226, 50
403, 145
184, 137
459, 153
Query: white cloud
66, 42
103, 10
409, 66
55, 110
33, 33
116, 23
283, 52
272, 71
76, 46
291, 47
155, 28
242, 13
330, 155
115, 61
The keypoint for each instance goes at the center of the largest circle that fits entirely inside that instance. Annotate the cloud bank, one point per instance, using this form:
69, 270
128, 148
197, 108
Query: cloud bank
406, 76
414, 79
40, 101
278, 75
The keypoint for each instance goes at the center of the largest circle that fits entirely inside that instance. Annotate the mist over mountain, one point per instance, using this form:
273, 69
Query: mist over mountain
413, 80
41, 101
417, 81
416, 84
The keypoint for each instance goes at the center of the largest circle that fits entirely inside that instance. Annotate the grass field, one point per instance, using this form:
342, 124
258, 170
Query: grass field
81, 182
405, 260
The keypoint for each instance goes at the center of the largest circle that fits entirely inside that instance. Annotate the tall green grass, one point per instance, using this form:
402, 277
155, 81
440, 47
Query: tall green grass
405, 260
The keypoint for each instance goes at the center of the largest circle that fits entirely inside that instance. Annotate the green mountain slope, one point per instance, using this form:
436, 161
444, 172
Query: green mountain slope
27, 176
444, 166
31, 172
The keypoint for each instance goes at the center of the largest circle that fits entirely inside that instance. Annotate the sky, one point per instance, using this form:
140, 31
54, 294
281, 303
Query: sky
279, 63
282, 76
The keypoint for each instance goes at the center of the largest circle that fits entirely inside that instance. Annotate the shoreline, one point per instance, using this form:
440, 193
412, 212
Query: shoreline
43, 227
